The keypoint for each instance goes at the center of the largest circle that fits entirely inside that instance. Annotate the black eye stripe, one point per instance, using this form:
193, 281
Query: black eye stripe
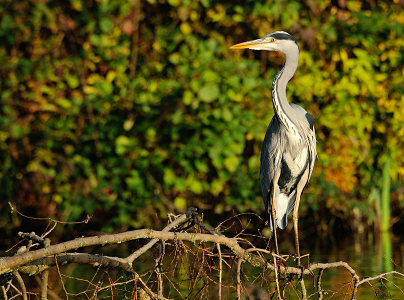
282, 36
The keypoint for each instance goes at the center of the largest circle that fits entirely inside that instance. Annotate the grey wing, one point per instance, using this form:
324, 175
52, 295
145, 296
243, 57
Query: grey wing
307, 123
271, 155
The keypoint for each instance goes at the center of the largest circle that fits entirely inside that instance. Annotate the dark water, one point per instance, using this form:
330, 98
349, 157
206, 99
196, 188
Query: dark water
369, 257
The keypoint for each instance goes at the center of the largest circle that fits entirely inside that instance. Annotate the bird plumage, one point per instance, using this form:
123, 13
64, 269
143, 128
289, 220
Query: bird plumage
291, 154
289, 148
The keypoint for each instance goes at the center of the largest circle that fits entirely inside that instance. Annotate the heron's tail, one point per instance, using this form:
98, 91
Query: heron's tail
283, 206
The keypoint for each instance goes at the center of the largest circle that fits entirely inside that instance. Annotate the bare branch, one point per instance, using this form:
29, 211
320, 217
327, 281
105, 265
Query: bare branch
3, 289
239, 262
220, 270
42, 264
34, 262
44, 285
22, 285
319, 288
181, 219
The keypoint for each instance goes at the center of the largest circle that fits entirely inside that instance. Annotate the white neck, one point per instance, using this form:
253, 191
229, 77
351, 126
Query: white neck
281, 106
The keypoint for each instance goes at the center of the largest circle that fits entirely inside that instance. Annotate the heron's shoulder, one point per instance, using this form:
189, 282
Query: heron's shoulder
303, 115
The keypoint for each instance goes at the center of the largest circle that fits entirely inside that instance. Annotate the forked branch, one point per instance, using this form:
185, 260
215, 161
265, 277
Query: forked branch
37, 261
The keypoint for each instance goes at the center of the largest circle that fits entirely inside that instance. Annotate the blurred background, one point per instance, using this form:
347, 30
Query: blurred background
129, 110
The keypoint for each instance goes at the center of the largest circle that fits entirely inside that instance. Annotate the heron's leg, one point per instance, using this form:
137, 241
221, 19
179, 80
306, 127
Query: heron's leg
273, 215
295, 226
299, 190
273, 211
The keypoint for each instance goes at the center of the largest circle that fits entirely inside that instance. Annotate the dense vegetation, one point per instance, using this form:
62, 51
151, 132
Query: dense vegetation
130, 109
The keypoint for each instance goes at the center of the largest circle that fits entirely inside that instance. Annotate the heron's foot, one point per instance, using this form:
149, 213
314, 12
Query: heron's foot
300, 266
192, 214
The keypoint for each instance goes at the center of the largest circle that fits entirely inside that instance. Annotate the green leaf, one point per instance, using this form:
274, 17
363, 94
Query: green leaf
209, 92
180, 202
231, 163
106, 25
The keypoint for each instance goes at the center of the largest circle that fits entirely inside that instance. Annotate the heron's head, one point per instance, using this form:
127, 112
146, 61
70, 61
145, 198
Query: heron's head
275, 41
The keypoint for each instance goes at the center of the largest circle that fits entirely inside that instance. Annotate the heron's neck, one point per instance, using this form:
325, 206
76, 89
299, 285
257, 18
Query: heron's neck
281, 105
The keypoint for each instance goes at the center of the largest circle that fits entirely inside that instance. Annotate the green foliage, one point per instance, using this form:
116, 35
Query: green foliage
121, 109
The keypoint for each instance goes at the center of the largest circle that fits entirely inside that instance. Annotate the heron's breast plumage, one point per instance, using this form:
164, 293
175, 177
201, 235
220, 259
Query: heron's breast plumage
293, 163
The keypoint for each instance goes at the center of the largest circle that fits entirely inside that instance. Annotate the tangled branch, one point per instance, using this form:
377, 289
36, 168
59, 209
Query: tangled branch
39, 261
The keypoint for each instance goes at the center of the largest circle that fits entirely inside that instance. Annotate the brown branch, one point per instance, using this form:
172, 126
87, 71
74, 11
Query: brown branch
219, 251
239, 262
319, 288
34, 262
3, 289
380, 276
45, 274
22, 285
180, 220
10, 263
44, 285
38, 266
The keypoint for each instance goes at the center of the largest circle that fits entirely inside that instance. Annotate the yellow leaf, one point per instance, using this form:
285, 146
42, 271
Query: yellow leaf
88, 89
180, 202
111, 76
185, 28
231, 163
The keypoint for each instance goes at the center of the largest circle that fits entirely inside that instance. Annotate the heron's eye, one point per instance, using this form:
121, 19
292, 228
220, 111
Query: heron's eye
269, 39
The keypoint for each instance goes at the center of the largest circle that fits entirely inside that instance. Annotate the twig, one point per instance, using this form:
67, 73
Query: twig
22, 285
3, 289
319, 288
147, 289
42, 264
220, 270
160, 286
44, 285
35, 238
181, 219
13, 208
239, 262
304, 291
50, 230
61, 280
358, 282
380, 276
45, 275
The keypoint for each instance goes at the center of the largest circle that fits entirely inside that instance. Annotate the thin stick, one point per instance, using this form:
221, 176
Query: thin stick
22, 285
220, 270
160, 286
3, 289
61, 280
239, 262
181, 219
319, 288
44, 285
304, 291
45, 274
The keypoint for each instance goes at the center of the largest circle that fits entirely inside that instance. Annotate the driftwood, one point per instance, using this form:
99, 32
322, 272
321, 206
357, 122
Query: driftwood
39, 261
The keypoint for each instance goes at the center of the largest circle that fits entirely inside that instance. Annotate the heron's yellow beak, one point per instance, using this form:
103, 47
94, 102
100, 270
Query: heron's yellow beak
248, 44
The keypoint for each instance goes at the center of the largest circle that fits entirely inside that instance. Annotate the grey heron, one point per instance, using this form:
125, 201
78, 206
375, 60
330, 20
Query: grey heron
289, 149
